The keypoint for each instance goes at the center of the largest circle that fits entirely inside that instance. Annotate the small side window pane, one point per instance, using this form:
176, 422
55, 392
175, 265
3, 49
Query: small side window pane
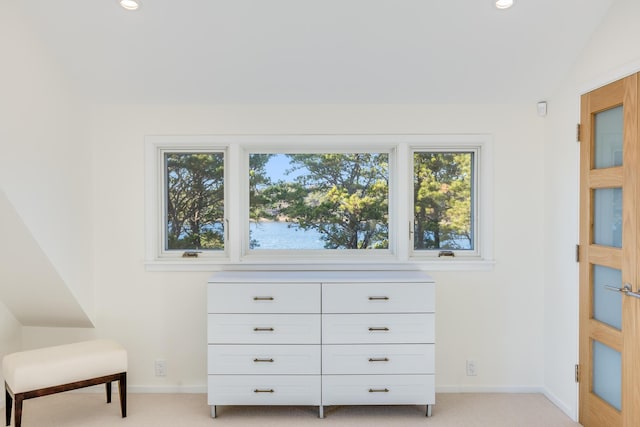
443, 201
194, 201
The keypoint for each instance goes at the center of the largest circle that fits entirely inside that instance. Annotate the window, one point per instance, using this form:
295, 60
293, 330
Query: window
443, 202
194, 201
185, 200
319, 199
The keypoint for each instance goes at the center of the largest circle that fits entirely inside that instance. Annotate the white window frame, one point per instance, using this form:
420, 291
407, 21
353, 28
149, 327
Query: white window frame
155, 199
481, 147
327, 144
399, 255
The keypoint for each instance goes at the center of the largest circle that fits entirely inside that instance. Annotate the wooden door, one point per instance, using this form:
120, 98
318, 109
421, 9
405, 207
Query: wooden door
609, 255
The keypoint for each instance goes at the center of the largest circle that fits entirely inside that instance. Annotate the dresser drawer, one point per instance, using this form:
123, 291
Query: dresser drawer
378, 390
263, 329
378, 328
264, 359
378, 298
264, 390
263, 298
376, 359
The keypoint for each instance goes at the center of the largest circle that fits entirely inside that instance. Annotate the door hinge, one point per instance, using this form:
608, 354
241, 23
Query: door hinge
578, 132
577, 253
577, 373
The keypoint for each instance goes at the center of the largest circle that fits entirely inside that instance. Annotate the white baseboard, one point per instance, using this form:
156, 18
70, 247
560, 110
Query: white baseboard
489, 389
202, 389
569, 411
178, 389
141, 389
196, 389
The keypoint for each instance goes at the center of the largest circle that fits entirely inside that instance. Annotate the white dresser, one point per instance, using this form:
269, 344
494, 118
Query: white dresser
321, 338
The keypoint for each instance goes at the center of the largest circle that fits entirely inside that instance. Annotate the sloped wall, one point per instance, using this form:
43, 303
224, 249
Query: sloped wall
45, 163
30, 286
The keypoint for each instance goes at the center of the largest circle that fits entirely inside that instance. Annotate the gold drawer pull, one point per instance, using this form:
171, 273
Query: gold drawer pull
263, 298
378, 390
263, 360
378, 359
263, 329
378, 298
384, 329
263, 391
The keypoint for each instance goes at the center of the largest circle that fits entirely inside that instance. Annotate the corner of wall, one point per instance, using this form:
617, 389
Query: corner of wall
10, 340
569, 410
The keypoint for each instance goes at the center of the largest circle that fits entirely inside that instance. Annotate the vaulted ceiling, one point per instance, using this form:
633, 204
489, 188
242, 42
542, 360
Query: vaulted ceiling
303, 51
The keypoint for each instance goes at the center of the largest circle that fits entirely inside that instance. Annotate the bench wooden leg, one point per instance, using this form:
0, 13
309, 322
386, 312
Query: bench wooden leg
8, 403
108, 387
122, 388
17, 417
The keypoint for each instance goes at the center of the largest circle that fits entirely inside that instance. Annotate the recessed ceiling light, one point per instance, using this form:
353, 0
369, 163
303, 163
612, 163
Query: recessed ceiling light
504, 4
130, 4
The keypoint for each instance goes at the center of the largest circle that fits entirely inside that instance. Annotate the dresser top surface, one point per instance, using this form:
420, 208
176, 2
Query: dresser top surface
347, 276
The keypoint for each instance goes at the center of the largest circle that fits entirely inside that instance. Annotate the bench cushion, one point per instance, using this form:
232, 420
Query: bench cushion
52, 366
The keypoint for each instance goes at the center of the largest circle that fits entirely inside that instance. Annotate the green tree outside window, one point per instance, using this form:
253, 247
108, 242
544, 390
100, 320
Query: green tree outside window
442, 200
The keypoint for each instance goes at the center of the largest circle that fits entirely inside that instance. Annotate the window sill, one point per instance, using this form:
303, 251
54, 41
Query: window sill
461, 265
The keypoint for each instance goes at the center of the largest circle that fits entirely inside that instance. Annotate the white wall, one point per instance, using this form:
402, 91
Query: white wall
493, 317
9, 340
612, 52
96, 218
45, 162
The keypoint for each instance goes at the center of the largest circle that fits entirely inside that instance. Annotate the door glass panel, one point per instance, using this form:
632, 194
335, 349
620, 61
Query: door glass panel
607, 217
607, 304
607, 374
608, 138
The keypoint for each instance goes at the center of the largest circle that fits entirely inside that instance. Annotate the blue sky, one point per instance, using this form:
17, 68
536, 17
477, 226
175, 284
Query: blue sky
276, 167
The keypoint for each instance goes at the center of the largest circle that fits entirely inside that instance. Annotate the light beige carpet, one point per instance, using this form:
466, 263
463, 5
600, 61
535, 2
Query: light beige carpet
191, 410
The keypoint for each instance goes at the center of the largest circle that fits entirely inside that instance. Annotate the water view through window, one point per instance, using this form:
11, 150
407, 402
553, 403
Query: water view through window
318, 201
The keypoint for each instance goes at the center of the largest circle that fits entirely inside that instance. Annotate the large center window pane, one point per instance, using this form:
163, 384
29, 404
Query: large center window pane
318, 201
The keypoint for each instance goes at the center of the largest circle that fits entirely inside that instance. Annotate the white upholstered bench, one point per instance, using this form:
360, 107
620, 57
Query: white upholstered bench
50, 370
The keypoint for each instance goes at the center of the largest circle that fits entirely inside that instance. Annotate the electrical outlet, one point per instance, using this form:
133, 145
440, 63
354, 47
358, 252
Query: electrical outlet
161, 368
472, 368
